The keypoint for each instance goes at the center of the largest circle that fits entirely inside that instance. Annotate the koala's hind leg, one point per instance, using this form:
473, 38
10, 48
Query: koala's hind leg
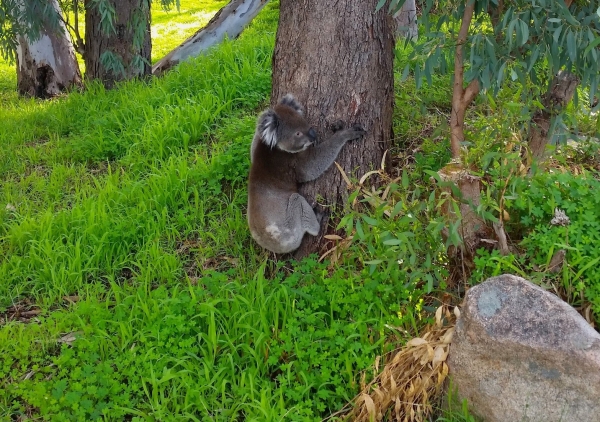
301, 217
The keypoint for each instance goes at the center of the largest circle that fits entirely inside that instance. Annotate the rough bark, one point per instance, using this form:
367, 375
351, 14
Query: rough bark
461, 97
133, 52
406, 21
561, 92
337, 59
472, 228
46, 66
229, 22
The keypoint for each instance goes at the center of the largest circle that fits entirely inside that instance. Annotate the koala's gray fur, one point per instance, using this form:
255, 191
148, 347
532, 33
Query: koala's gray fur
283, 154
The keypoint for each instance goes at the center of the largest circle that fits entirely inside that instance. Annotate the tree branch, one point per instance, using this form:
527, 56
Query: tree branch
471, 92
462, 39
458, 92
495, 12
78, 43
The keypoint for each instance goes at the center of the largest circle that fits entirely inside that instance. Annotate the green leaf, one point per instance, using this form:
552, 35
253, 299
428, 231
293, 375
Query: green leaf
405, 72
374, 262
571, 47
396, 210
556, 34
524, 32
392, 242
359, 230
533, 58
370, 221
591, 45
509, 33
380, 4
501, 73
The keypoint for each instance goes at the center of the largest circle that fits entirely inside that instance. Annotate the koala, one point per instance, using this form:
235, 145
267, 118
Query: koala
284, 153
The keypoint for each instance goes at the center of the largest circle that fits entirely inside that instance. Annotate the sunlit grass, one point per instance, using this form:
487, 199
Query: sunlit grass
122, 224
170, 28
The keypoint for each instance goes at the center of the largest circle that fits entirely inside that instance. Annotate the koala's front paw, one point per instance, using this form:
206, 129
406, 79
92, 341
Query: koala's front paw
357, 132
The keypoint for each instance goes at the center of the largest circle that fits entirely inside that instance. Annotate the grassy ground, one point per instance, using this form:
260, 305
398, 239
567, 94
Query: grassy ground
124, 246
130, 288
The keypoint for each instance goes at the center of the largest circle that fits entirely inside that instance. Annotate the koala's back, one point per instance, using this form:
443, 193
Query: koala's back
271, 183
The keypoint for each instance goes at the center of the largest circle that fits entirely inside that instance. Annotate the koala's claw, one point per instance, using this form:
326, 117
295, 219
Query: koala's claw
338, 125
358, 127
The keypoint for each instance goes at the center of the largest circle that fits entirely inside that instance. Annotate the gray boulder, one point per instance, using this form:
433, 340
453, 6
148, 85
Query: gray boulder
519, 353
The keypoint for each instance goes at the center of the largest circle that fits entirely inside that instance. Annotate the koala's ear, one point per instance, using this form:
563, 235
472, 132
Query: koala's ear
292, 102
267, 127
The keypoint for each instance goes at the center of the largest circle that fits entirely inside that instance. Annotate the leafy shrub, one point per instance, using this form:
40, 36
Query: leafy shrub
532, 208
400, 233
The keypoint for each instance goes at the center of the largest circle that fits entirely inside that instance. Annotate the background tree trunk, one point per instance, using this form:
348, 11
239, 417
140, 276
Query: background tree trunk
560, 94
406, 21
337, 59
46, 66
230, 21
123, 52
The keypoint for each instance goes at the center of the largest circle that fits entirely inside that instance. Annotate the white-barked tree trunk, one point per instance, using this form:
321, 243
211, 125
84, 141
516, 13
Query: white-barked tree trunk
46, 66
229, 22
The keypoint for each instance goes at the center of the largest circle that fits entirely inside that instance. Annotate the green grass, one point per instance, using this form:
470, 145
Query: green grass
172, 27
133, 202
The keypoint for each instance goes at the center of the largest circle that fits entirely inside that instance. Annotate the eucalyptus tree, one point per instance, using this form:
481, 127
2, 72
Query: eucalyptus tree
34, 33
229, 22
117, 40
337, 59
116, 46
551, 45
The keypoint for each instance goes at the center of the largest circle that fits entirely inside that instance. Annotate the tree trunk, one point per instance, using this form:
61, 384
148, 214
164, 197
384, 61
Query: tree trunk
229, 22
461, 97
337, 59
561, 92
406, 21
47, 66
122, 52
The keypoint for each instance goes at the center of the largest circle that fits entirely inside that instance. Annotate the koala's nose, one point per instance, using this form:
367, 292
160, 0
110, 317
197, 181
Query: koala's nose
312, 134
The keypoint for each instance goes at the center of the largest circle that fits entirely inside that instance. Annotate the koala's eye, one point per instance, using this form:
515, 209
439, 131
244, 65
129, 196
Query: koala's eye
298, 134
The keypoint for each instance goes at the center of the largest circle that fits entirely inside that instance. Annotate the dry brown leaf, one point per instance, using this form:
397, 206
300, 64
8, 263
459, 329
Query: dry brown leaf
70, 337
444, 369
409, 383
397, 408
333, 237
366, 176
447, 338
457, 312
344, 176
427, 356
439, 355
30, 313
416, 342
438, 316
369, 404
383, 160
